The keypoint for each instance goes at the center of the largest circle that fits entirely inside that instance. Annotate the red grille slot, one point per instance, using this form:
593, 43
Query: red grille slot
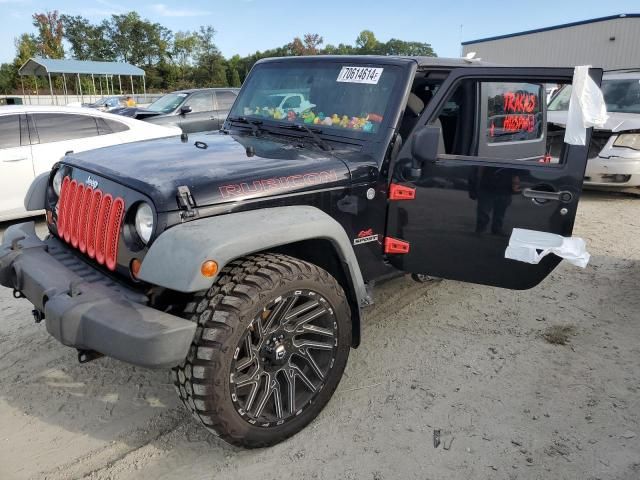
64, 196
102, 226
69, 208
94, 209
90, 221
84, 219
77, 214
113, 233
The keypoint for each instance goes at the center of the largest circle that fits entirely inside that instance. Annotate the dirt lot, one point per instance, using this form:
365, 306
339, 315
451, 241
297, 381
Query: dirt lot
471, 361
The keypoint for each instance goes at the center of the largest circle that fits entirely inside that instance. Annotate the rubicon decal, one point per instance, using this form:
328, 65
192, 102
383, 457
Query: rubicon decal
280, 183
365, 236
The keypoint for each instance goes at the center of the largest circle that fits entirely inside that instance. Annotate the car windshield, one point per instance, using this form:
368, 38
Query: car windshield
168, 103
620, 95
338, 98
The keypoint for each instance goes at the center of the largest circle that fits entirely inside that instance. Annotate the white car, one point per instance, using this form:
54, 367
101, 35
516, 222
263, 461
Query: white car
614, 152
33, 138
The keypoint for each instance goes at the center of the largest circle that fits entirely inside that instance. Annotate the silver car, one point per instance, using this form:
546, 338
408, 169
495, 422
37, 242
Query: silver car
614, 152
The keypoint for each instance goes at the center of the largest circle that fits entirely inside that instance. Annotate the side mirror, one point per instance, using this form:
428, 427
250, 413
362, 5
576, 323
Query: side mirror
424, 146
186, 109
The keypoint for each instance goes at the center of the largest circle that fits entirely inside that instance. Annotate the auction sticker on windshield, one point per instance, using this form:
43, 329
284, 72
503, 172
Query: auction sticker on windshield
360, 75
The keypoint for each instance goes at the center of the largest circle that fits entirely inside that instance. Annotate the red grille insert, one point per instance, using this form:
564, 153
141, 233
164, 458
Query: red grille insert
90, 221
64, 198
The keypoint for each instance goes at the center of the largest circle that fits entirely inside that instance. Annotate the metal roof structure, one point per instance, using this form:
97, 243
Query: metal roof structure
48, 67
553, 27
44, 66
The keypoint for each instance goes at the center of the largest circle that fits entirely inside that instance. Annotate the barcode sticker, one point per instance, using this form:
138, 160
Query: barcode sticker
369, 75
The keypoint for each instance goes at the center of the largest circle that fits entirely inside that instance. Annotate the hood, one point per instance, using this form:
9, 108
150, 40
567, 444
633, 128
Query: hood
617, 121
223, 168
134, 112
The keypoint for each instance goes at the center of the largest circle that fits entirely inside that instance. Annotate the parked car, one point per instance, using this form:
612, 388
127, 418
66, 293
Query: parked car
106, 104
243, 258
196, 110
614, 151
33, 138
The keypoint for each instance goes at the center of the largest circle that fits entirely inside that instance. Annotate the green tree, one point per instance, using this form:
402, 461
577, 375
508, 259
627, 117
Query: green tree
235, 81
210, 64
50, 33
8, 78
367, 43
400, 47
88, 41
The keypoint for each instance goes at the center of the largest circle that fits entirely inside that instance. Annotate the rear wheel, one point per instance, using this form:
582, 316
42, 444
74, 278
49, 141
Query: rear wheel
272, 342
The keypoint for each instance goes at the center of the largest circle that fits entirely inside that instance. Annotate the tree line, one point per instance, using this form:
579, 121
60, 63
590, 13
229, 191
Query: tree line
171, 60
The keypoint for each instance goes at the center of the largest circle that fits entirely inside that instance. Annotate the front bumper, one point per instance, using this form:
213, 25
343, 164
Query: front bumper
612, 172
86, 309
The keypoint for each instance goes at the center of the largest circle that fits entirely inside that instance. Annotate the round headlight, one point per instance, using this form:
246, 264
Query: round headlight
144, 222
57, 182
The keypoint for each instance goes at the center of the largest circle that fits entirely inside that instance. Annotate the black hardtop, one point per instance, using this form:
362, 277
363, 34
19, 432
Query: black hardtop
420, 61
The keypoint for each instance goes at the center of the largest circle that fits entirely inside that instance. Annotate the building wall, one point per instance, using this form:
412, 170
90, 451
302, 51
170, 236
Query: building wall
586, 44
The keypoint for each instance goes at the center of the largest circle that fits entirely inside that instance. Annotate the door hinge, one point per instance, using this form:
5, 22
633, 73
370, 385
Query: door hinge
393, 245
186, 203
401, 192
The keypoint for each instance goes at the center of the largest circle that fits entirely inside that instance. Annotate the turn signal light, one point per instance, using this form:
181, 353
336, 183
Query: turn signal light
209, 268
135, 267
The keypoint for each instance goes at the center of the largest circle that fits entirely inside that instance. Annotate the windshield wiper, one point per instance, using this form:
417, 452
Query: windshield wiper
254, 124
314, 133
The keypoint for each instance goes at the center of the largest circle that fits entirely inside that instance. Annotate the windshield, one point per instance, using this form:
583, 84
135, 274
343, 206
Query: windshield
620, 96
338, 98
168, 103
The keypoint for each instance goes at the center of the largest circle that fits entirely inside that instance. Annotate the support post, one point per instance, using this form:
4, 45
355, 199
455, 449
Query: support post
80, 85
35, 79
23, 95
93, 81
120, 84
132, 92
144, 89
51, 88
64, 85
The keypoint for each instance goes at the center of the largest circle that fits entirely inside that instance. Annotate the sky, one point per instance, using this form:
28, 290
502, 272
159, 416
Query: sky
245, 26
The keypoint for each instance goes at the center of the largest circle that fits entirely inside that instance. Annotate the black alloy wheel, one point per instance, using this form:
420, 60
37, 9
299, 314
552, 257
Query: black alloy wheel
284, 357
272, 343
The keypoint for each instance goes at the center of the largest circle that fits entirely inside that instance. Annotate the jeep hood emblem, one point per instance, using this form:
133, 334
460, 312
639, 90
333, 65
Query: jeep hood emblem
91, 182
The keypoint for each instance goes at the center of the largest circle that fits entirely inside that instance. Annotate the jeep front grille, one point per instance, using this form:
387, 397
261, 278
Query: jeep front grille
90, 220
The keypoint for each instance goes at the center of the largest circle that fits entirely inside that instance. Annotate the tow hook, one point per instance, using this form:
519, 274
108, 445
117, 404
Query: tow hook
86, 356
17, 294
38, 316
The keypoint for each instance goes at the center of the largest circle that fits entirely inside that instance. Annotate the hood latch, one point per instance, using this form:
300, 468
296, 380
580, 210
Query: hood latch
186, 203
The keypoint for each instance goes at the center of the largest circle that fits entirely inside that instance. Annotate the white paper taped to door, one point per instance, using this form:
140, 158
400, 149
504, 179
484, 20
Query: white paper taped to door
531, 246
586, 107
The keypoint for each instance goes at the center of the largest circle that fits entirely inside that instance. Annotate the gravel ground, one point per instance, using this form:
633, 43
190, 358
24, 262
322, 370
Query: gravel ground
470, 361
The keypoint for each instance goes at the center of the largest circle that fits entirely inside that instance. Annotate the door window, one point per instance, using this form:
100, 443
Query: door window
200, 102
57, 127
499, 120
9, 131
225, 99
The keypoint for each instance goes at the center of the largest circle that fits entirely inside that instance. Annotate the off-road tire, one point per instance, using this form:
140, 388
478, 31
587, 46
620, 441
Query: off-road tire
223, 314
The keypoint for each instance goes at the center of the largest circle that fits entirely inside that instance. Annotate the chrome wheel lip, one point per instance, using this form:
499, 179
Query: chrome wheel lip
299, 332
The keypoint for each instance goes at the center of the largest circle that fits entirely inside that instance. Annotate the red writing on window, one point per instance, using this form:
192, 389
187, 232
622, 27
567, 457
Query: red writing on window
520, 102
519, 123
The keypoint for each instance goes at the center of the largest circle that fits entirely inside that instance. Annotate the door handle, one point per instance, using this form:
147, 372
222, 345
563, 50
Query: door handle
12, 160
561, 196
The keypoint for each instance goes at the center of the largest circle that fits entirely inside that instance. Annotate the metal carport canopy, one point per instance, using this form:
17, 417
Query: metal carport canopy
43, 66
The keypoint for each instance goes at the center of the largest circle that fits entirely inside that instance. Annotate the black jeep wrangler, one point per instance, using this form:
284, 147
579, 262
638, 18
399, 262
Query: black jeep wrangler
242, 258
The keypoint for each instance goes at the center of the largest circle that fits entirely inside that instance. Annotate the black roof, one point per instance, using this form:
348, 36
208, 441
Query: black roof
193, 90
388, 59
554, 27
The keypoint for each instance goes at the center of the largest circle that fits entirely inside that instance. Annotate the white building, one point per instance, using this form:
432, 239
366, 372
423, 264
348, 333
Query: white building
608, 42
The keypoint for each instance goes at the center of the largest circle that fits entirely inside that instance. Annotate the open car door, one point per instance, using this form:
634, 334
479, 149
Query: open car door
482, 161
